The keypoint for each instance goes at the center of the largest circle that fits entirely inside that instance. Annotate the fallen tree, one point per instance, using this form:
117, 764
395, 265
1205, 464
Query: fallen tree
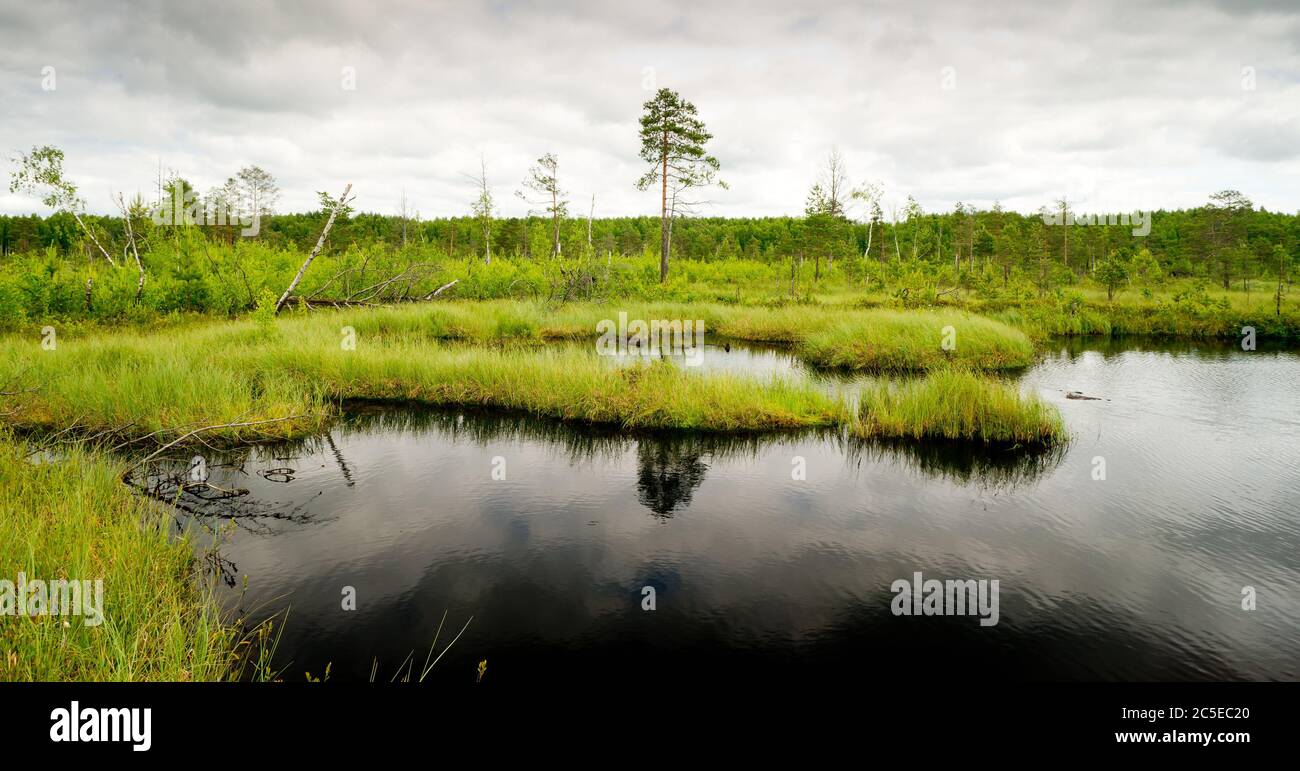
320, 243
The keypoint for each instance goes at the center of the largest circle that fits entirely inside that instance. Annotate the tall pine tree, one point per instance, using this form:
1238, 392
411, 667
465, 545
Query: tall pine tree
672, 142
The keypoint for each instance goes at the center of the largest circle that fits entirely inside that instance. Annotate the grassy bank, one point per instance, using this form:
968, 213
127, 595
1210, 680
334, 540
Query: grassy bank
953, 404
241, 372
1182, 310
873, 340
74, 519
297, 369
900, 341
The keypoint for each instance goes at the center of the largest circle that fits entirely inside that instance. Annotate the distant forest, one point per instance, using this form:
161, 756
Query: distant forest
1226, 239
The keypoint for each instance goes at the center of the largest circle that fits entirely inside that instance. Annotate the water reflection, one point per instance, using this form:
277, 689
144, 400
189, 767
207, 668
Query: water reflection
670, 465
216, 494
1134, 577
668, 471
991, 467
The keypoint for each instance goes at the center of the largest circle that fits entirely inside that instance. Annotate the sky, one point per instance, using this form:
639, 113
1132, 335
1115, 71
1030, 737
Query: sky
1116, 106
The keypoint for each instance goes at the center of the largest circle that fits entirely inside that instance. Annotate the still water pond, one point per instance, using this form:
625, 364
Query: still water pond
759, 575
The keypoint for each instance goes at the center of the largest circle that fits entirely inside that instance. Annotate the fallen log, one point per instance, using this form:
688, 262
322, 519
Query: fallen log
1082, 396
441, 289
197, 431
320, 243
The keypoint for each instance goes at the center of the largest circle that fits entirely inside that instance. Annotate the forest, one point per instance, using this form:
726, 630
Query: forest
920, 258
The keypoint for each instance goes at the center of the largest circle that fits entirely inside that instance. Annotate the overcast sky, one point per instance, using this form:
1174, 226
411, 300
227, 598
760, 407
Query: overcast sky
1115, 105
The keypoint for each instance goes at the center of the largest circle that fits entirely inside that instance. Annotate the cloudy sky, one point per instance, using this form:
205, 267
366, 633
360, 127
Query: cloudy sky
1116, 105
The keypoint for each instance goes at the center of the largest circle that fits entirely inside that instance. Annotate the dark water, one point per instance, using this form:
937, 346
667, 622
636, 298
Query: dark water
758, 575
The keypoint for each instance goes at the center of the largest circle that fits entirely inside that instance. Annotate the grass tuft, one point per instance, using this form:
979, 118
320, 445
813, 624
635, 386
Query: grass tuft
958, 405
906, 341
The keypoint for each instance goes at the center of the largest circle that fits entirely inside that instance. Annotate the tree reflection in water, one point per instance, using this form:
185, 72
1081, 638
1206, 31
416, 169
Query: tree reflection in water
670, 466
668, 472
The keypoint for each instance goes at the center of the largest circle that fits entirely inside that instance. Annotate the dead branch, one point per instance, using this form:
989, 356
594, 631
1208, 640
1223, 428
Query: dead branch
24, 391
330, 281
91, 233
189, 434
411, 272
325, 303
441, 289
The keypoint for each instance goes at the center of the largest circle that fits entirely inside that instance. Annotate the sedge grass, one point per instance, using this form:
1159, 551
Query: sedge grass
871, 340
955, 404
234, 372
902, 341
139, 383
72, 518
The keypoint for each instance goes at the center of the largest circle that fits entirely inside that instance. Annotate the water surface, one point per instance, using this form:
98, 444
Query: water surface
1139, 575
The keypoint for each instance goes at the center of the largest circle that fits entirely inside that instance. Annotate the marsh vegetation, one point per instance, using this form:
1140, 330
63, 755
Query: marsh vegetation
126, 340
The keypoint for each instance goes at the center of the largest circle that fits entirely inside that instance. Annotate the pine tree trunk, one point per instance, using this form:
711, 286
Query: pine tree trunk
663, 222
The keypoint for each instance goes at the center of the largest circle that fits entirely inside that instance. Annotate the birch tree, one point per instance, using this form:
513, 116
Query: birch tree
869, 194
483, 207
130, 237
404, 214
543, 183
41, 174
335, 208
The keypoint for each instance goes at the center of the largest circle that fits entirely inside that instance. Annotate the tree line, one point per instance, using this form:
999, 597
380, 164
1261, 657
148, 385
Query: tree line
1225, 240
1188, 242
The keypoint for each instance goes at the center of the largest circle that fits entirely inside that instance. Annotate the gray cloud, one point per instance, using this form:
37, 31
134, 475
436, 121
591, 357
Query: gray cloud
1114, 104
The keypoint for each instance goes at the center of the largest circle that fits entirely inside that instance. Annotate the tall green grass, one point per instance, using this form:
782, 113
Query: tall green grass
872, 340
234, 372
72, 518
955, 404
298, 372
902, 341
